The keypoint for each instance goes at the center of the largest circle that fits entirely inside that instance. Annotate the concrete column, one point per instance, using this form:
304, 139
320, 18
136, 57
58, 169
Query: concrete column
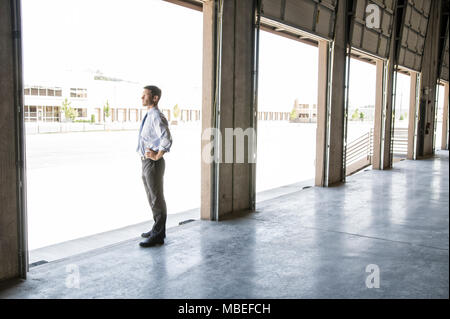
445, 138
231, 191
388, 137
336, 173
412, 114
428, 83
9, 221
332, 173
376, 160
382, 157
208, 88
322, 89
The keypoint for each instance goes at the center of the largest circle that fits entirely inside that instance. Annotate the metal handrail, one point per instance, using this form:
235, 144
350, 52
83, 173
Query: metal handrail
400, 141
360, 148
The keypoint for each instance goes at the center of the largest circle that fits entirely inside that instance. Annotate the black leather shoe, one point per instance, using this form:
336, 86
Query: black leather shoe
151, 241
148, 234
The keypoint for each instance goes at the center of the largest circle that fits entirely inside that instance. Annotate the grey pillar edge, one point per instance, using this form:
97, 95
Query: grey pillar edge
16, 14
254, 118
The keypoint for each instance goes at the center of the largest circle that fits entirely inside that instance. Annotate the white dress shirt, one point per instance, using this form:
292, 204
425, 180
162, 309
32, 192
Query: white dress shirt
154, 132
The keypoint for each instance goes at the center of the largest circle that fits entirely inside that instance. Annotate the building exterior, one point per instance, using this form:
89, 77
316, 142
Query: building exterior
88, 93
304, 113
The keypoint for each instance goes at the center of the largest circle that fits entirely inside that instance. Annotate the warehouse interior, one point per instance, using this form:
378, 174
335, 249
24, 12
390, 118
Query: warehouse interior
320, 242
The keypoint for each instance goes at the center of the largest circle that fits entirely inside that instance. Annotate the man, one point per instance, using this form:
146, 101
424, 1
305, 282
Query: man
154, 141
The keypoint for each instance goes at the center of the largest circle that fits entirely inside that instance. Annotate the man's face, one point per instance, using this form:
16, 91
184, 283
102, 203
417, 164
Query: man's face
148, 98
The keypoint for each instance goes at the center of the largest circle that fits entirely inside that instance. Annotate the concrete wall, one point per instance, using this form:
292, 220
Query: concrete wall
384, 101
9, 246
429, 78
321, 131
390, 96
336, 151
208, 88
234, 86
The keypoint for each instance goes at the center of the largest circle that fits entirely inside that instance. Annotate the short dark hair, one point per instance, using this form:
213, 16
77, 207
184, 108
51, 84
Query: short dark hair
155, 90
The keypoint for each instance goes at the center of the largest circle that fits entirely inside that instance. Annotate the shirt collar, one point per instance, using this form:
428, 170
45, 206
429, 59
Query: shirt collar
152, 109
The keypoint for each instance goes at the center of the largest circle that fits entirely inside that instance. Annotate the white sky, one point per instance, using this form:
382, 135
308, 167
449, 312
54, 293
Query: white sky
155, 42
287, 70
137, 40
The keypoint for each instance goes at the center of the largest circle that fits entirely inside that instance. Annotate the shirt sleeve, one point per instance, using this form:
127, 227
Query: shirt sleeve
163, 132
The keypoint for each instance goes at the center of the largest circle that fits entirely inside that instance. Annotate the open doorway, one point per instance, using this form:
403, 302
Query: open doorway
85, 65
438, 124
401, 116
287, 112
361, 115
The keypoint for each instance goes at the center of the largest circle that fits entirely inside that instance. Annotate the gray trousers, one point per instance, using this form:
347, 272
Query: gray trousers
152, 176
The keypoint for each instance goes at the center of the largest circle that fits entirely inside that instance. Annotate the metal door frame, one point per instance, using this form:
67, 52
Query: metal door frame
21, 180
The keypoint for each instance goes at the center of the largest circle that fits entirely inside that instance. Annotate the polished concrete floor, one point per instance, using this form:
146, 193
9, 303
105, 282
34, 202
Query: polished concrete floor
314, 243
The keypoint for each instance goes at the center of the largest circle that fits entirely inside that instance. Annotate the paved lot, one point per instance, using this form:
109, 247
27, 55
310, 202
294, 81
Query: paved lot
84, 183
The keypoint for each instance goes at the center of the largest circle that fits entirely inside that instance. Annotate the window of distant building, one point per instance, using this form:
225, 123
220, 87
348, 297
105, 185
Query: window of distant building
82, 112
43, 91
78, 93
34, 113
